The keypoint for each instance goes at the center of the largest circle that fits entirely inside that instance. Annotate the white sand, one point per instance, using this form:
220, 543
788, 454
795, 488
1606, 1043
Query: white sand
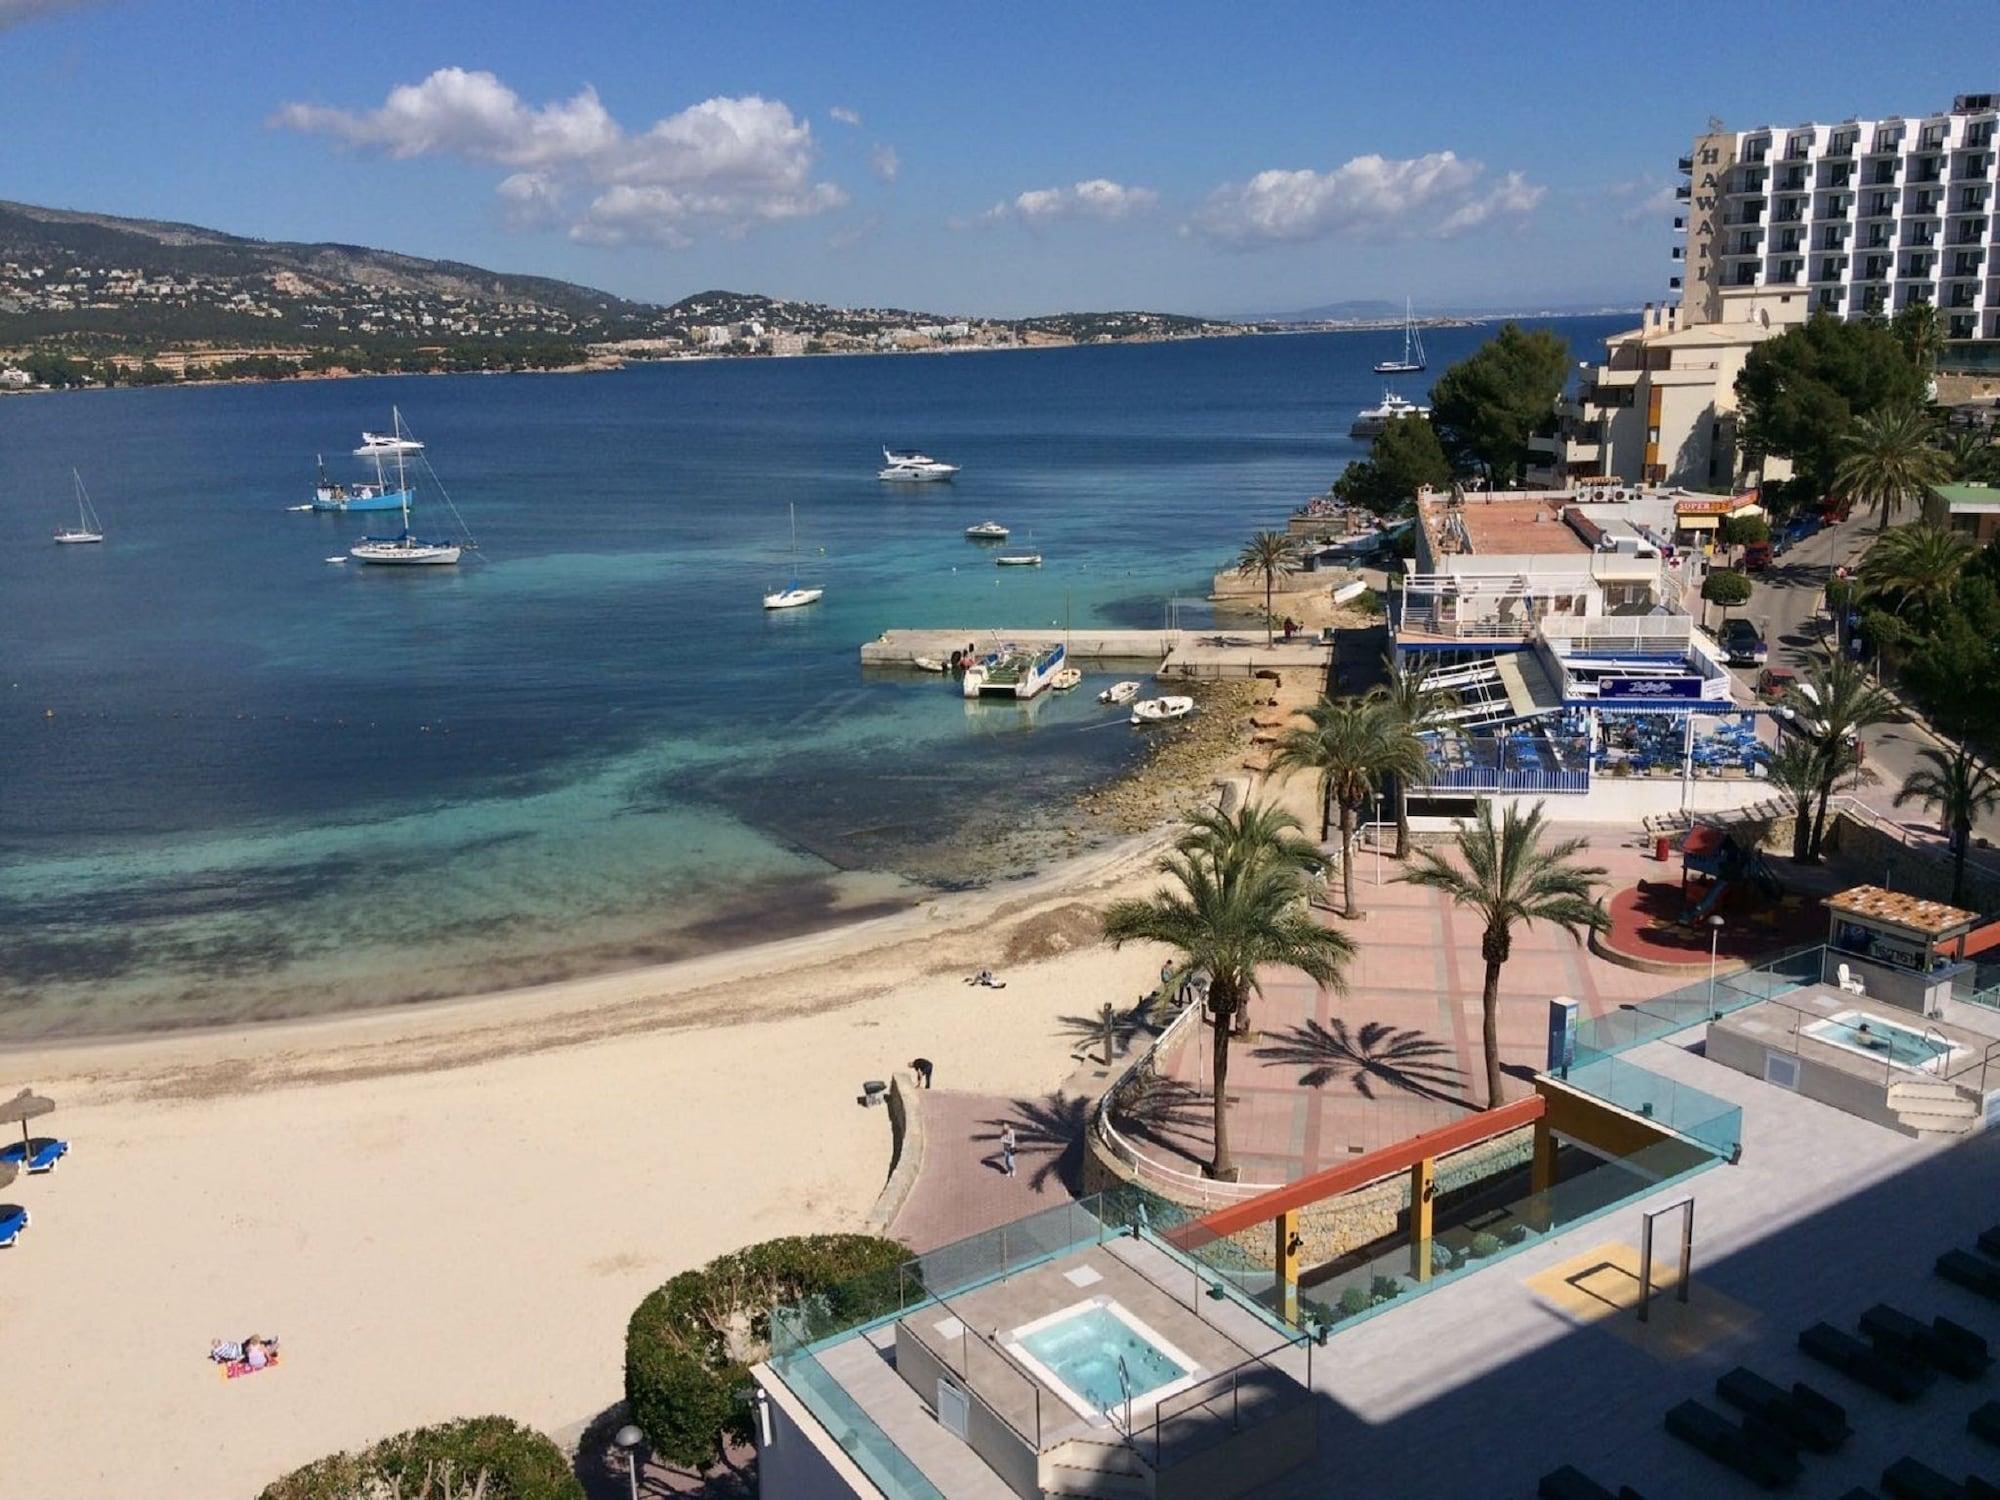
453, 1210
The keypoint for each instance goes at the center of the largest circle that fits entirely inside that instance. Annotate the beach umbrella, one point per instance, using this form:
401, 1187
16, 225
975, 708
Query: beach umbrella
7, 1171
23, 1107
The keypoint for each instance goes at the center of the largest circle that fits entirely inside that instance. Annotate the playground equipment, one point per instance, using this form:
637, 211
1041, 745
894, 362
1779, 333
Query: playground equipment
1715, 854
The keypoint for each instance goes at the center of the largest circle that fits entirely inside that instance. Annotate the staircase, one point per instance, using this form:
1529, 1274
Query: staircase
1933, 1111
1101, 1470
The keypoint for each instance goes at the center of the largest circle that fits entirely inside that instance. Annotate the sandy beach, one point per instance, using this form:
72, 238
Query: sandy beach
452, 1209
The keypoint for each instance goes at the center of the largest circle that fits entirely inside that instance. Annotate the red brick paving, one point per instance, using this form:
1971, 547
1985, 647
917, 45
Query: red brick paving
961, 1190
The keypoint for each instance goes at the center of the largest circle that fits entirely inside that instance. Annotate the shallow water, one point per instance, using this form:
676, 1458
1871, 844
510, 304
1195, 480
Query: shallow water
236, 781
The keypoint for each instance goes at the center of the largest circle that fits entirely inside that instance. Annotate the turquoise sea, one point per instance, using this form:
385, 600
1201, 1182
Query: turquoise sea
238, 782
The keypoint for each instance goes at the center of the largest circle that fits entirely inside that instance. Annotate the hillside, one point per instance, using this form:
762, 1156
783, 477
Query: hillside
87, 297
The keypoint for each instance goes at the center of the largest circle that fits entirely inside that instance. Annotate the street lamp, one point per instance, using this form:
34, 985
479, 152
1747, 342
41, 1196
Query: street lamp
628, 1438
1714, 939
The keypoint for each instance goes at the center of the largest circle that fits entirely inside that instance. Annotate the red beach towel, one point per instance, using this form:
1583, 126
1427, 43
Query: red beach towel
243, 1367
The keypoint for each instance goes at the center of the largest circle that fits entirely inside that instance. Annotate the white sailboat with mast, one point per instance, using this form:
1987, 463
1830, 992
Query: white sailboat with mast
1412, 362
407, 550
88, 528
794, 594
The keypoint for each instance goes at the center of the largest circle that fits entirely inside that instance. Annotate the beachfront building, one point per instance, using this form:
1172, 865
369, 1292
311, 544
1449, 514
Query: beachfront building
1561, 621
1858, 218
1660, 408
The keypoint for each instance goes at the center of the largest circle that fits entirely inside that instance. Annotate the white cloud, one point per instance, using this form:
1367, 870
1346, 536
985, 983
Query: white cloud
1654, 208
1365, 197
725, 163
884, 163
840, 114
1097, 198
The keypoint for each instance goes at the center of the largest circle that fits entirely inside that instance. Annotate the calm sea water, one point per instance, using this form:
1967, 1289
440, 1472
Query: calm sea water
238, 782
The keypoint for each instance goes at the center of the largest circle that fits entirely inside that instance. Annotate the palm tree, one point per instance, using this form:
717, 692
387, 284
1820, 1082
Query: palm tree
1830, 708
1917, 565
1795, 771
1972, 455
1890, 459
1269, 555
1418, 707
1512, 877
1351, 745
1235, 900
1963, 791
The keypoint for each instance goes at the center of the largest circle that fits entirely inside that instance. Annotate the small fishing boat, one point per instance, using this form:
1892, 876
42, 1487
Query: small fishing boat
1019, 560
330, 494
794, 594
1066, 679
927, 664
986, 531
1160, 710
907, 465
1119, 692
88, 528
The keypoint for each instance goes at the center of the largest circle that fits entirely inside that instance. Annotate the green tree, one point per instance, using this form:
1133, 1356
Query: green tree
1269, 555
1920, 335
1418, 707
1962, 790
1726, 587
491, 1457
1512, 875
1351, 744
1972, 456
1956, 676
1235, 900
1830, 707
1801, 390
1741, 531
1888, 458
1405, 457
1487, 405
1916, 569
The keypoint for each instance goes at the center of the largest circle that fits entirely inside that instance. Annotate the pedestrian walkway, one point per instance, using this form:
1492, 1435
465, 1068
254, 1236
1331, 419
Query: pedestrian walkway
960, 1189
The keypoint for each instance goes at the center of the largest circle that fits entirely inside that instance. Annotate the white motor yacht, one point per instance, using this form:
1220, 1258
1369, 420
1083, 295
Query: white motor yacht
987, 531
908, 465
1370, 422
386, 445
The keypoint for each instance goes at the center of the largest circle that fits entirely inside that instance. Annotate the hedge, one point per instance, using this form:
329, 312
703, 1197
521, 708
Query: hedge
690, 1344
440, 1463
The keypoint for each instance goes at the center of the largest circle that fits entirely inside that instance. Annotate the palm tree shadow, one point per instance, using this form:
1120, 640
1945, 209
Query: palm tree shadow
1051, 1129
1148, 1014
1368, 1057
1167, 1113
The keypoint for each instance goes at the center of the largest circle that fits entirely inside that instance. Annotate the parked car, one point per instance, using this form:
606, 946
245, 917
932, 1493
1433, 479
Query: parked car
1742, 644
1756, 556
1772, 681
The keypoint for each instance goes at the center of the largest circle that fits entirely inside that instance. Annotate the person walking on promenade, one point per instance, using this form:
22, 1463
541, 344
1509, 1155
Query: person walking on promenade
1007, 1144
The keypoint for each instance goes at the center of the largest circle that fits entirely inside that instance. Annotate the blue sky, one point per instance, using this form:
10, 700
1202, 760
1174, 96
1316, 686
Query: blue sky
954, 157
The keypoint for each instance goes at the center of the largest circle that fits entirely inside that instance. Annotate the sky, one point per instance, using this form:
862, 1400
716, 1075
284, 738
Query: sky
1232, 160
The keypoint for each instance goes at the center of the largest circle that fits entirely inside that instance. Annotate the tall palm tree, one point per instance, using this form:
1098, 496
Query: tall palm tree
1512, 877
1830, 707
1795, 771
1269, 555
1889, 458
1418, 707
1350, 746
1917, 566
1963, 791
1235, 900
1972, 455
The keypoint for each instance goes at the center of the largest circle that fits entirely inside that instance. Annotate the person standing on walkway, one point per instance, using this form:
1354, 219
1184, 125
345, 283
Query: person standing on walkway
1007, 1144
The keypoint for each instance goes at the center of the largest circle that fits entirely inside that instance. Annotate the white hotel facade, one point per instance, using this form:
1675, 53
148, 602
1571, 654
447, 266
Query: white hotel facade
1856, 219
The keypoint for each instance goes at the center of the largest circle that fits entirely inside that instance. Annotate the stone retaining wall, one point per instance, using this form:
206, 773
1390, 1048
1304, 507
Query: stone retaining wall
906, 1151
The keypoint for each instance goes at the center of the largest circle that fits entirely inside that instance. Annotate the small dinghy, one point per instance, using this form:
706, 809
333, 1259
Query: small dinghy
1066, 679
927, 664
1119, 692
1160, 710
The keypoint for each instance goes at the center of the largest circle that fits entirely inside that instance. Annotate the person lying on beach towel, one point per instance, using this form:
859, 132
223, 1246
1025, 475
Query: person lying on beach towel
985, 977
246, 1358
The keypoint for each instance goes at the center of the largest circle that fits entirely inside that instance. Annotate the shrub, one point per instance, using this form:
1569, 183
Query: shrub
1382, 1288
689, 1345
440, 1463
1514, 1234
1354, 1300
1441, 1256
1484, 1244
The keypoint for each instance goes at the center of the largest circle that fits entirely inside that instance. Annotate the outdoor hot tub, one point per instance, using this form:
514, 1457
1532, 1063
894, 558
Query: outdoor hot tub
1883, 1040
1097, 1355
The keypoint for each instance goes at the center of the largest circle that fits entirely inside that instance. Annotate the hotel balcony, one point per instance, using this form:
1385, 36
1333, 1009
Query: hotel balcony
1684, 192
1685, 164
1962, 327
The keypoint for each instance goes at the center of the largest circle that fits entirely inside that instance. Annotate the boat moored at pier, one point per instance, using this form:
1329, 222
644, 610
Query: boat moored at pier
1014, 672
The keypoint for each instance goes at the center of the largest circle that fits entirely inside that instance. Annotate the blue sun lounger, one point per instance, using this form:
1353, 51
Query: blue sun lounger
36, 1156
13, 1219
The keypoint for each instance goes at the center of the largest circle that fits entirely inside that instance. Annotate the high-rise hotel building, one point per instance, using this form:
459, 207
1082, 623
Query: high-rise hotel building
1866, 216
1861, 218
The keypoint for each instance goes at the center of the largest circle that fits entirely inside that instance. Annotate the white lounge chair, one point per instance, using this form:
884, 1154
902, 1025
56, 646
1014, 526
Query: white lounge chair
1851, 982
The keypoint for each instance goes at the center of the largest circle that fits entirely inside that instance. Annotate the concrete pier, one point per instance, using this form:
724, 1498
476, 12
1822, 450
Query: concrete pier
1168, 654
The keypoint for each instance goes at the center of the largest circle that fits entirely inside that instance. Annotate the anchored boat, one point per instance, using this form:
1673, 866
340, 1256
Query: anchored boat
1412, 362
987, 531
1119, 692
330, 494
406, 550
1014, 671
1160, 710
910, 466
88, 528
794, 594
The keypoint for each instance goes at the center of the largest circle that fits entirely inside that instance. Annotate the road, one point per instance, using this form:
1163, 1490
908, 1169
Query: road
1785, 608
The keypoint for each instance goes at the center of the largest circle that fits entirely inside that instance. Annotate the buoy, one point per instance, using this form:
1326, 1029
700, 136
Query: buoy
48, 713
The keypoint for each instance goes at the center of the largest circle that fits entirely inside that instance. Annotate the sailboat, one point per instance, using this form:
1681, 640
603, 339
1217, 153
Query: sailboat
88, 527
1412, 362
792, 595
405, 550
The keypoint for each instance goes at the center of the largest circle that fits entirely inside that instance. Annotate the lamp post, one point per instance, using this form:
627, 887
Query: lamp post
1714, 939
627, 1439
